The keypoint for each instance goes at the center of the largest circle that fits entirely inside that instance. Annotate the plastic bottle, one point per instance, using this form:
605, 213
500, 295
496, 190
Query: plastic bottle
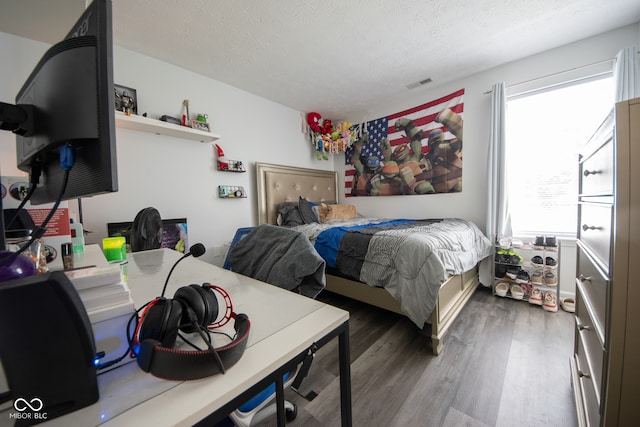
77, 237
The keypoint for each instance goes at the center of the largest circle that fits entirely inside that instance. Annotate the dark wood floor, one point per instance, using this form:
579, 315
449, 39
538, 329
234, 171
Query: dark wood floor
505, 363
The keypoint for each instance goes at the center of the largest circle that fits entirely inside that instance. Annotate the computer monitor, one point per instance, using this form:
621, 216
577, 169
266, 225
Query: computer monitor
68, 100
65, 108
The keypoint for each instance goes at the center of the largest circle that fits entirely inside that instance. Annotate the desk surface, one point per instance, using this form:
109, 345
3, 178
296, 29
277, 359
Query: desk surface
283, 324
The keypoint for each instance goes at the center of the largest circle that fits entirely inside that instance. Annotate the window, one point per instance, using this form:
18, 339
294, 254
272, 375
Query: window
545, 129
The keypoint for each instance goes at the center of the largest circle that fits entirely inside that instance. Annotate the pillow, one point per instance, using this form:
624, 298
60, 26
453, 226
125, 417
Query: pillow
337, 211
305, 208
289, 215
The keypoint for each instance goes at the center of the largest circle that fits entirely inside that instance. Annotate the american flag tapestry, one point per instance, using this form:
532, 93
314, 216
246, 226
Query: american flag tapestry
415, 151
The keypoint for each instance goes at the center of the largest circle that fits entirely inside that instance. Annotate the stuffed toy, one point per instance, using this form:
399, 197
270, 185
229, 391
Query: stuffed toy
327, 127
223, 163
313, 120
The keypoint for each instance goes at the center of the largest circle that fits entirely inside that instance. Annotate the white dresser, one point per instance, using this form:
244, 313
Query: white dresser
605, 366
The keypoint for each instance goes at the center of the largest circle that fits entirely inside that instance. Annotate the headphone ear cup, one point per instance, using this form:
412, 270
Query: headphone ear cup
202, 301
161, 322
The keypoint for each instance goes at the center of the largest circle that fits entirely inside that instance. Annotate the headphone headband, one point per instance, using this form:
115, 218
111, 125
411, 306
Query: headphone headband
193, 309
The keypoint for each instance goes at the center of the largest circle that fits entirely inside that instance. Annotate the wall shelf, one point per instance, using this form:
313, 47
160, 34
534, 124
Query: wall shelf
145, 124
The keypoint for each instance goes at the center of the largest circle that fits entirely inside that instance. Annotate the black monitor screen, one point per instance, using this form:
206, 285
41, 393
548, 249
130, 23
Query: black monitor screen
71, 91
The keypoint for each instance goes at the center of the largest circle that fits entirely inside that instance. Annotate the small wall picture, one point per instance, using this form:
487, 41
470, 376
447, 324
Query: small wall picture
196, 124
126, 99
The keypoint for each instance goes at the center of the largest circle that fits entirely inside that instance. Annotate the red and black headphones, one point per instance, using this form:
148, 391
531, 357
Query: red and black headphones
193, 309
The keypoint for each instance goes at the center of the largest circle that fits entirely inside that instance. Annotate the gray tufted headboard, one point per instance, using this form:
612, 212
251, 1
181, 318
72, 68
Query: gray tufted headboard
278, 184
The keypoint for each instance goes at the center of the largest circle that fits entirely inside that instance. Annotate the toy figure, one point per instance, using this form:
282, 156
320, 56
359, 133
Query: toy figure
223, 164
313, 120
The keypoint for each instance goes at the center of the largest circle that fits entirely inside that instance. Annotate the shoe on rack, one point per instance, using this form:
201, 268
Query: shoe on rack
568, 304
523, 277
512, 272
550, 241
551, 263
550, 278
537, 261
501, 289
502, 258
517, 292
539, 241
536, 277
500, 270
550, 302
536, 296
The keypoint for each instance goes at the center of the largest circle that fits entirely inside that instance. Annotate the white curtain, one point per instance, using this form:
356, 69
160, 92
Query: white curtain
626, 74
498, 217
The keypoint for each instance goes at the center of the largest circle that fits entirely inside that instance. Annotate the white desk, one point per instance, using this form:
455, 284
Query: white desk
284, 326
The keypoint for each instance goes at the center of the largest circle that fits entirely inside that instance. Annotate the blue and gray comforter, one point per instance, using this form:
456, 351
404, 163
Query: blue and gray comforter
409, 258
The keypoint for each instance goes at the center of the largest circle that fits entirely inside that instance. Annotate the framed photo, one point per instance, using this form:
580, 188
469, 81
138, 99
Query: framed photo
126, 99
200, 125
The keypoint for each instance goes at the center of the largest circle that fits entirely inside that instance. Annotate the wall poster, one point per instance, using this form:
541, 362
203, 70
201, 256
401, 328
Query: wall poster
415, 151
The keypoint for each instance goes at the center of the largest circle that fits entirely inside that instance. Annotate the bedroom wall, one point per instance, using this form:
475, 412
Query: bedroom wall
471, 202
177, 176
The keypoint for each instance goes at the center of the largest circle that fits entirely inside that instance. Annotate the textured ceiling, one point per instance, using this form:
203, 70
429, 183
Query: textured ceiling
338, 57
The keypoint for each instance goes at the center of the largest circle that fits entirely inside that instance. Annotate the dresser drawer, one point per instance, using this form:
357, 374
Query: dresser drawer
594, 287
597, 172
589, 347
588, 396
595, 224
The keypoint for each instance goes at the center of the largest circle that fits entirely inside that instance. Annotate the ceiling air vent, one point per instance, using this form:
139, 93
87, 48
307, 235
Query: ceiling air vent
420, 83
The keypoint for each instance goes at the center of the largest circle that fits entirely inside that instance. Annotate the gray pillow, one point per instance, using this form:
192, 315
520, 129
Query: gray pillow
306, 211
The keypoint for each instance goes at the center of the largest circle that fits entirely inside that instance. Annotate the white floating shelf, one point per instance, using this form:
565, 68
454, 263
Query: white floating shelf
145, 124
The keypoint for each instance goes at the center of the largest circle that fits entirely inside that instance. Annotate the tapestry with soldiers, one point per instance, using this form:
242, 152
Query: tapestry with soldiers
415, 151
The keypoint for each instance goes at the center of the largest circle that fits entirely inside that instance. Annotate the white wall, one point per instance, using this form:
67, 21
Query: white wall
471, 202
179, 177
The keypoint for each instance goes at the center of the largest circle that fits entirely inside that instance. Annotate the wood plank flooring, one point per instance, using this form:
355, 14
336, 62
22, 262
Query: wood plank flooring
505, 363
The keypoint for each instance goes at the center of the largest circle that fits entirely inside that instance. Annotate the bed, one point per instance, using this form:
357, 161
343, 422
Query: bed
277, 184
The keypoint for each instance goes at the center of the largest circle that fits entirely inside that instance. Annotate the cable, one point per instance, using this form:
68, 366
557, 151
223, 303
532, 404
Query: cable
67, 160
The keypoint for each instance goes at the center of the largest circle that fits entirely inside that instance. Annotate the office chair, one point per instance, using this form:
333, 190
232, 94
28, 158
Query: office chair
261, 406
146, 231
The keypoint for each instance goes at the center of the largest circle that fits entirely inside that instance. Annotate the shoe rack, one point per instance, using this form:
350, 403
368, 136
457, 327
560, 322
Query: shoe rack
528, 272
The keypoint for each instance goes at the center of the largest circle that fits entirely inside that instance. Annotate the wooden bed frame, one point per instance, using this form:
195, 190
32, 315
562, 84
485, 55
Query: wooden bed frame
278, 184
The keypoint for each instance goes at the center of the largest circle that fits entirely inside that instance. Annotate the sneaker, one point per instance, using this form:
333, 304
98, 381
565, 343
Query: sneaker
527, 288
512, 272
536, 296
523, 277
502, 258
539, 241
550, 241
537, 261
514, 259
501, 270
517, 292
550, 278
568, 304
550, 302
550, 263
536, 277
501, 289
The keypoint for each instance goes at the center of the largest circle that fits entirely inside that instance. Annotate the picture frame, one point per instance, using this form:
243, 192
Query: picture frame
195, 124
126, 98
